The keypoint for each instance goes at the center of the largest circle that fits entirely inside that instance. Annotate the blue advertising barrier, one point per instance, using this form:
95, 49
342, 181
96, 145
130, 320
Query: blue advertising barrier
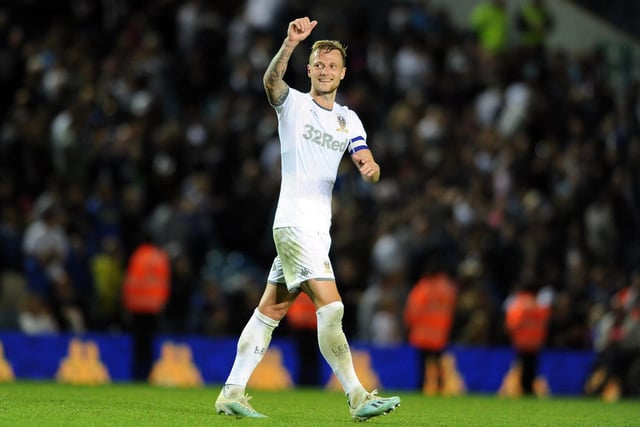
38, 358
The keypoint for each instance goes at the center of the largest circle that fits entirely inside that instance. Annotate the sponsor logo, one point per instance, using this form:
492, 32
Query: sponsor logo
324, 139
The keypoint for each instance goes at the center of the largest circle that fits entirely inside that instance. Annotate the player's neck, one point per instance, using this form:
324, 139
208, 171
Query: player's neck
325, 100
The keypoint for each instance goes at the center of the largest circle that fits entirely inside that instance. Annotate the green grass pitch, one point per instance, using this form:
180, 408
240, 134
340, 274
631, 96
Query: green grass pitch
26, 403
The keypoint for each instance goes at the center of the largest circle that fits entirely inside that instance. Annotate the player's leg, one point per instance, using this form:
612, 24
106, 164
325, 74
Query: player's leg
252, 345
305, 263
256, 335
335, 349
331, 338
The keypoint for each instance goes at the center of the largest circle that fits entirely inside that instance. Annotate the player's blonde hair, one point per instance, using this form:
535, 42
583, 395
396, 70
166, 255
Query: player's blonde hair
328, 46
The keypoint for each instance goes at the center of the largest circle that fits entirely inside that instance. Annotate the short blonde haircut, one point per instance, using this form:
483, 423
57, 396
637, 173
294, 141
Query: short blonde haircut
328, 46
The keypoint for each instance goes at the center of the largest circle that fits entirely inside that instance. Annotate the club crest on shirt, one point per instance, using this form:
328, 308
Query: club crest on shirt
327, 267
342, 123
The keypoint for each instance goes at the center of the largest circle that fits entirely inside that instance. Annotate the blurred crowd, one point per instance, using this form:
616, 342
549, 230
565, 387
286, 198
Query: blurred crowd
506, 160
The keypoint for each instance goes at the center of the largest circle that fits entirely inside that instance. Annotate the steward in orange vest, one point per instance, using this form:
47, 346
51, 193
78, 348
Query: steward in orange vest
429, 311
302, 314
145, 293
146, 284
526, 322
428, 315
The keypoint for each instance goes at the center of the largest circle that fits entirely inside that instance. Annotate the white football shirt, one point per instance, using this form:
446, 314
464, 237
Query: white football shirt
312, 143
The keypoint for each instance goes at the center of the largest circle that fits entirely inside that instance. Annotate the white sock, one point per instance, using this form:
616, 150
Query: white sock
335, 348
252, 345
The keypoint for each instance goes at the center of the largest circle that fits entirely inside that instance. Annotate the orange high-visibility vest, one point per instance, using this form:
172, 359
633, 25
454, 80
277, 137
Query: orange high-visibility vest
429, 311
146, 284
302, 313
526, 322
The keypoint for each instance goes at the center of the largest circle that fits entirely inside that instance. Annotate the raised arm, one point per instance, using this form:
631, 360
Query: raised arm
276, 88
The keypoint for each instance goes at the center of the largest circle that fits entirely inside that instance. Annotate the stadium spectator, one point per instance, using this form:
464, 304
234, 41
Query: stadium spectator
35, 316
534, 23
107, 268
617, 342
184, 281
386, 329
568, 323
45, 246
386, 293
490, 23
477, 318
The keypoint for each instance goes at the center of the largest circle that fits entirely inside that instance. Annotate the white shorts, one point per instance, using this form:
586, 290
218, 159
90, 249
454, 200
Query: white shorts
302, 255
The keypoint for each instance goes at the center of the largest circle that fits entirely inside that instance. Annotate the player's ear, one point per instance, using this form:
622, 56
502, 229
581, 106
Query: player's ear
308, 70
343, 73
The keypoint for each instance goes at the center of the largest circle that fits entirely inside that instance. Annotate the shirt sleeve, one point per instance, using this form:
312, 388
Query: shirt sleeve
357, 134
288, 106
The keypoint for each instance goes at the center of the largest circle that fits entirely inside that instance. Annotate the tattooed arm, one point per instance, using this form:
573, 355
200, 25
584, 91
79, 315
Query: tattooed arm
276, 88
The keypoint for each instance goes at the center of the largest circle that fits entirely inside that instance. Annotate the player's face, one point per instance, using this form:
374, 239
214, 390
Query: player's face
326, 70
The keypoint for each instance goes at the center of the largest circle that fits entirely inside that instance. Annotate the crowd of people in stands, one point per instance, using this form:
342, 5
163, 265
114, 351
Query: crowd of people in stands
512, 163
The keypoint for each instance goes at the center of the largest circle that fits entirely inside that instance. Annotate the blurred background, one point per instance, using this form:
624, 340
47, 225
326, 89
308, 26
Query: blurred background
507, 133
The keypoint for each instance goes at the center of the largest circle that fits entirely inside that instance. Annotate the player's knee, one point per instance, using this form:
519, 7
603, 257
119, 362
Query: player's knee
331, 314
